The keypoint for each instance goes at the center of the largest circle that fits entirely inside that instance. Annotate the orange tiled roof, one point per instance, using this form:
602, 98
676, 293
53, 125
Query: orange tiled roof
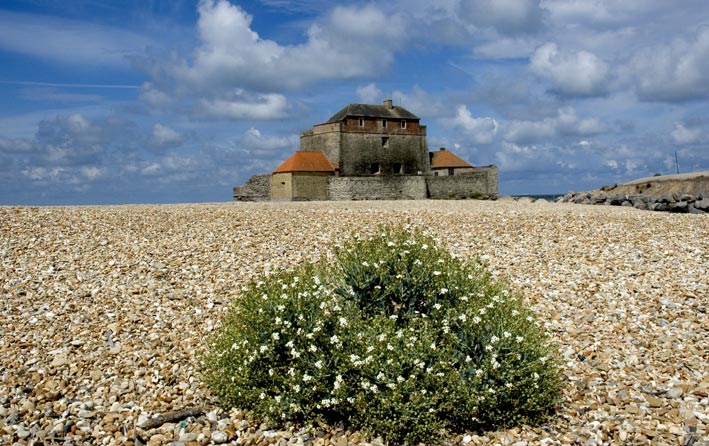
444, 159
305, 162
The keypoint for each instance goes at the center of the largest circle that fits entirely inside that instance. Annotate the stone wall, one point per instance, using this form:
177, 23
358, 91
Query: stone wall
481, 182
405, 187
258, 188
391, 152
325, 138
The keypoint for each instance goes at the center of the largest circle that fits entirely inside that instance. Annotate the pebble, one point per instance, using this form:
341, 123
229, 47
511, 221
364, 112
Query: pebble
102, 310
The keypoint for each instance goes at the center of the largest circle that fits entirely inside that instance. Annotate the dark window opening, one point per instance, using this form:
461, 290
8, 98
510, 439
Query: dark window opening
283, 183
385, 141
398, 168
450, 171
435, 174
384, 123
361, 122
403, 124
374, 168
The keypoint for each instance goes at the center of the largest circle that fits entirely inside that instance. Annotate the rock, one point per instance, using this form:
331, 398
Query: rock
702, 205
219, 437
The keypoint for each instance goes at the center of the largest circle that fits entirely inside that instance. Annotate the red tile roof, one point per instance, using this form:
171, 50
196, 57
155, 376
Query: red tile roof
443, 159
306, 162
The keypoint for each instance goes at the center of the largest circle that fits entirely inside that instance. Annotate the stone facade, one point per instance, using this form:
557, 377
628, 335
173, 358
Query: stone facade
404, 187
476, 182
258, 188
299, 186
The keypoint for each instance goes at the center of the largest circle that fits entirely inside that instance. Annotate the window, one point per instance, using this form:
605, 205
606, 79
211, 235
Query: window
384, 123
403, 124
361, 122
385, 142
398, 168
450, 171
374, 168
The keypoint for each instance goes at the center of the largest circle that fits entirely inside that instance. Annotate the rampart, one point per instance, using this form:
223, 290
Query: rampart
258, 188
481, 182
405, 187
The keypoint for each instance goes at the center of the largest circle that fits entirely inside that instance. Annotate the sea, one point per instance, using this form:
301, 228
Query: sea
548, 197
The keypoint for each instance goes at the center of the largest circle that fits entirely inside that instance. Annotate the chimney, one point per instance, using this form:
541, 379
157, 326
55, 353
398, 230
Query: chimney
388, 104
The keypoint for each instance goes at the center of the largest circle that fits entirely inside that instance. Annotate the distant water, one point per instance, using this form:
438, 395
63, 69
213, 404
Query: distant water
548, 197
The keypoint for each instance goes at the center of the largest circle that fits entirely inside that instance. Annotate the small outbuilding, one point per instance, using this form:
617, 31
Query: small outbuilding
303, 176
446, 163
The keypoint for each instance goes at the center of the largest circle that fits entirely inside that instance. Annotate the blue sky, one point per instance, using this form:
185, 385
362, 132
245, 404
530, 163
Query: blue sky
177, 101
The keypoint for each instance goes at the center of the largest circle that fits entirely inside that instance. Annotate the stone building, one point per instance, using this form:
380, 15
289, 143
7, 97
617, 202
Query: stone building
370, 152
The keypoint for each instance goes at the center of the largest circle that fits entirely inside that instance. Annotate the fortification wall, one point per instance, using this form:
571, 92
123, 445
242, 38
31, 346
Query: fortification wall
479, 183
403, 187
258, 188
392, 154
325, 138
310, 186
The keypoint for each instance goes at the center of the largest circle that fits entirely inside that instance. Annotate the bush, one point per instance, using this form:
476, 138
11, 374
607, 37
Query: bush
398, 339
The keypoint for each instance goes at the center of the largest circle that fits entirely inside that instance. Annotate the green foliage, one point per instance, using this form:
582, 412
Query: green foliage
399, 339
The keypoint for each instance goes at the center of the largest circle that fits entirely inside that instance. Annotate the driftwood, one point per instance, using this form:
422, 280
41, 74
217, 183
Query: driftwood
171, 417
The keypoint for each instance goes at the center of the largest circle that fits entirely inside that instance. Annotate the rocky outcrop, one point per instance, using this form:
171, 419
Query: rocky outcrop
686, 193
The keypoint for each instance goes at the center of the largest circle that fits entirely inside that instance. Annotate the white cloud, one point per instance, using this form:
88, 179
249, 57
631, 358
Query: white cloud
573, 73
480, 130
93, 172
244, 106
565, 123
254, 142
678, 71
351, 42
503, 15
164, 136
685, 135
369, 94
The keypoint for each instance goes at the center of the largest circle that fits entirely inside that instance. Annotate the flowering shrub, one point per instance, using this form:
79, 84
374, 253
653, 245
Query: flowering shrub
399, 339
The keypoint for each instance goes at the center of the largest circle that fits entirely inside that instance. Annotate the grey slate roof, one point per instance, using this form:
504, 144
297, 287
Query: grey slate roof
372, 111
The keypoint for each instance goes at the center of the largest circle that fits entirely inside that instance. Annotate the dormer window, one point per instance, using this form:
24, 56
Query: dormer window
361, 122
403, 124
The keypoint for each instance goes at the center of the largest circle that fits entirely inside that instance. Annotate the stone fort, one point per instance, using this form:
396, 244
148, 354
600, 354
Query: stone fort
370, 152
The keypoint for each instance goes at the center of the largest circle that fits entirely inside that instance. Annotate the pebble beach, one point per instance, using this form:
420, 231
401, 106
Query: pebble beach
103, 310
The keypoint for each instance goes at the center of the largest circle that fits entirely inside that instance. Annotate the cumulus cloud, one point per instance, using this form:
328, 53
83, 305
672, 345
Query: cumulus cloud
572, 73
565, 123
348, 43
164, 136
369, 94
678, 71
506, 16
479, 130
257, 144
686, 135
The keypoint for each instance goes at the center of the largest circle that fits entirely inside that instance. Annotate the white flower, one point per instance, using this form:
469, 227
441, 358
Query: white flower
476, 320
262, 396
436, 273
488, 347
464, 298
382, 337
478, 373
506, 334
468, 358
515, 312
263, 348
289, 344
291, 371
519, 339
535, 375
381, 376
390, 243
365, 264
424, 246
494, 339
276, 336
307, 378
334, 339
463, 317
318, 364
482, 311
400, 379
343, 322
444, 290
296, 388
313, 348
433, 346
417, 262
264, 296
508, 385
437, 306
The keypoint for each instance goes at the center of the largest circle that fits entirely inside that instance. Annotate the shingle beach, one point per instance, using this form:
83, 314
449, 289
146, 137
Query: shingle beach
102, 310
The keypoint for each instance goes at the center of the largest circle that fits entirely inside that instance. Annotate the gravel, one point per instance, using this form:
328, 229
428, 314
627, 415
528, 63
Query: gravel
103, 309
